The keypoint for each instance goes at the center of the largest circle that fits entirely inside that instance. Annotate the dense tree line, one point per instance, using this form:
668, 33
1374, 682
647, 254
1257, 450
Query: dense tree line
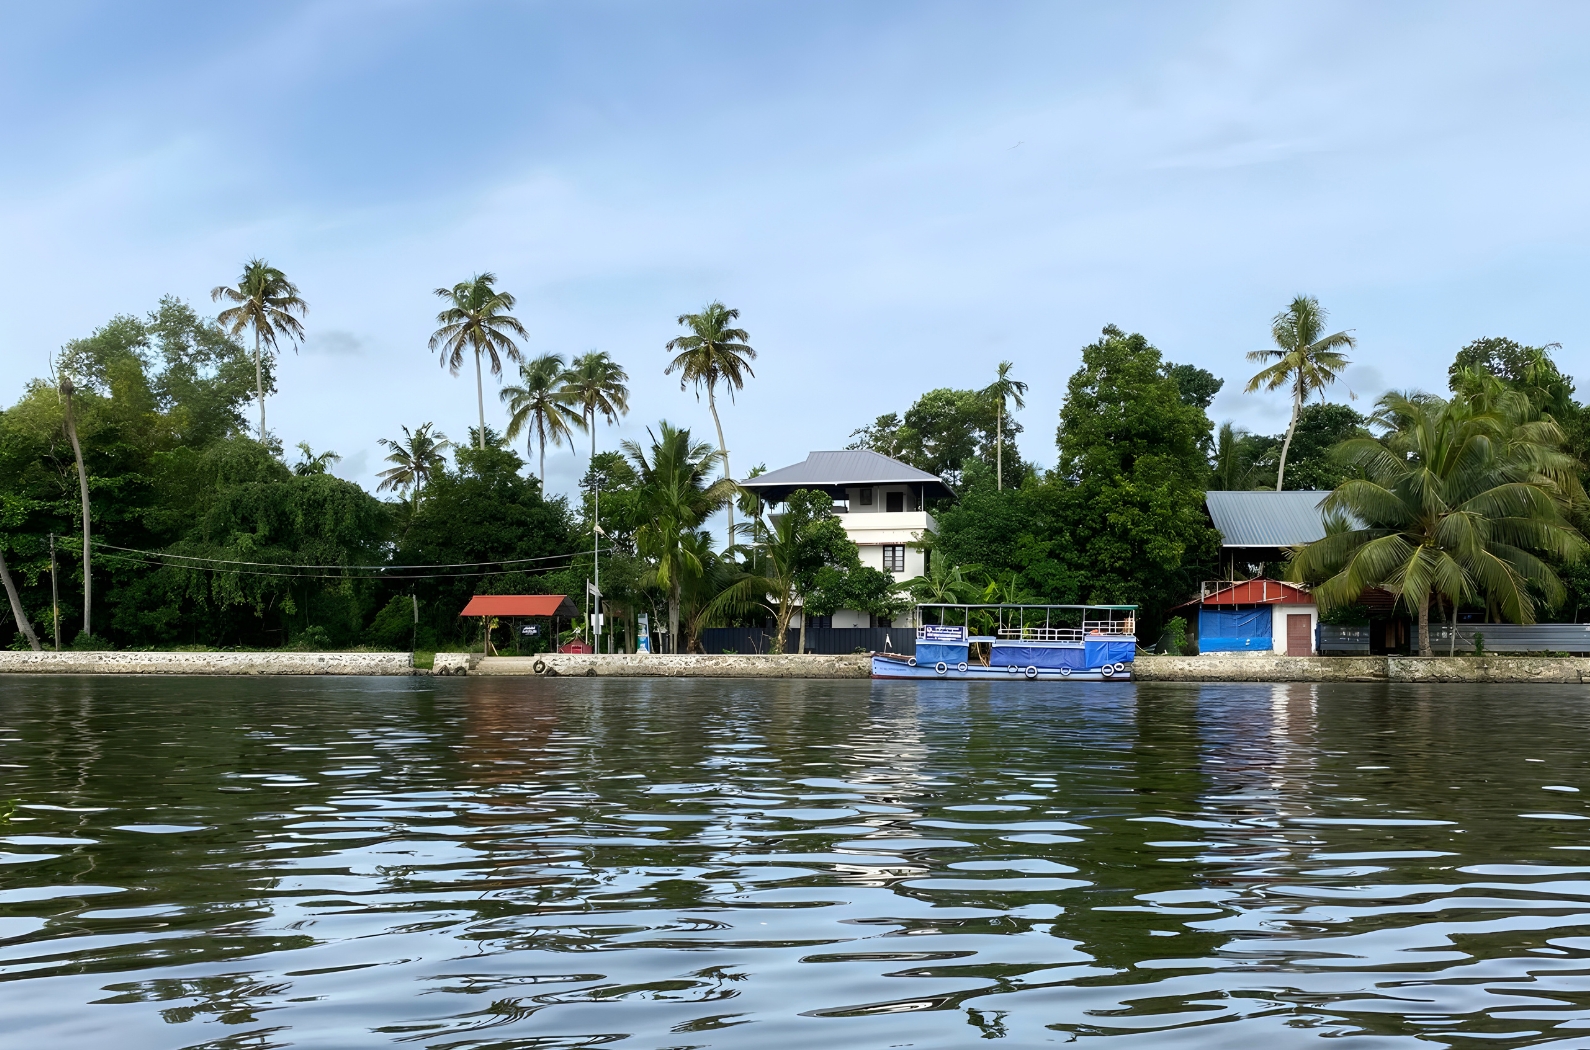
205, 534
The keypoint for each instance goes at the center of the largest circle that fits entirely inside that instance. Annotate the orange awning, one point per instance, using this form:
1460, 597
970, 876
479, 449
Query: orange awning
520, 605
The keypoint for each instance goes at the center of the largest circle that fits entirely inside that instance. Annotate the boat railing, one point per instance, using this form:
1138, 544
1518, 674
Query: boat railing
1116, 628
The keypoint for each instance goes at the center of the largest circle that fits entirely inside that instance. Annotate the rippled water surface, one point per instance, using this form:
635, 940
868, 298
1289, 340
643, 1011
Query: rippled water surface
576, 863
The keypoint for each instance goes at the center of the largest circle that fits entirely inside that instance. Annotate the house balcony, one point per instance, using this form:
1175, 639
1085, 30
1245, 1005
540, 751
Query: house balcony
873, 527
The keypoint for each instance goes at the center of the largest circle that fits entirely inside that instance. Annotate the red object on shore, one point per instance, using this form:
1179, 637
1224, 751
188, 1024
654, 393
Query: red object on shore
520, 605
575, 646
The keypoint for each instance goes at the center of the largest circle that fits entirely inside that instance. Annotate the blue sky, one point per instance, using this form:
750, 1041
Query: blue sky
895, 195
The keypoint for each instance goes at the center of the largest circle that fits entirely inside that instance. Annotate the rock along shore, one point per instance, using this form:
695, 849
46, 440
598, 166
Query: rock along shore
207, 663
1560, 670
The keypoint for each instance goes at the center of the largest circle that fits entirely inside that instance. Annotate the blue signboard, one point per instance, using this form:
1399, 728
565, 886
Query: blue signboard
941, 633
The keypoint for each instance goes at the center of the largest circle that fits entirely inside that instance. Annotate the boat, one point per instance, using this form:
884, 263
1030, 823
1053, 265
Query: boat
1061, 643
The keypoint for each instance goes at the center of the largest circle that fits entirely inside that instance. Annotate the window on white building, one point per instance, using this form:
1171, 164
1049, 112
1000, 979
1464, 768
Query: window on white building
866, 497
894, 558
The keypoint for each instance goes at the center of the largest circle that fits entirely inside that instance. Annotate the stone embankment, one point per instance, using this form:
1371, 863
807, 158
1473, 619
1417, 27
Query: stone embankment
617, 665
207, 663
1244, 668
1562, 670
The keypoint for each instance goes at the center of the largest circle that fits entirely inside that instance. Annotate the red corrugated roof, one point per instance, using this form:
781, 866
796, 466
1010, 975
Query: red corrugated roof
1260, 592
520, 605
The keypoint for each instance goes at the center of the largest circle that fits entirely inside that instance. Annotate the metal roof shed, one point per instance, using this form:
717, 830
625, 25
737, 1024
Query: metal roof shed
1267, 519
834, 472
520, 605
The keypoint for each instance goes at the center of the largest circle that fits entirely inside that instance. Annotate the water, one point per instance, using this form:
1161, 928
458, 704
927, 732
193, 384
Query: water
577, 863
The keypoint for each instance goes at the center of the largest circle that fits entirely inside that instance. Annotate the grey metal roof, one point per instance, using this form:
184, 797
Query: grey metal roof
834, 471
1267, 519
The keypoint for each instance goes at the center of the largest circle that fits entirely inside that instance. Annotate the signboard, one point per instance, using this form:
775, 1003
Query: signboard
941, 633
642, 633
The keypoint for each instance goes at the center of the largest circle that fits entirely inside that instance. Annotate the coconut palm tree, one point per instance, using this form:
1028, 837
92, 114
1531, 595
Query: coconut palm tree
416, 457
942, 584
1460, 500
1003, 391
768, 580
677, 495
540, 403
714, 352
1304, 359
598, 386
267, 302
313, 463
476, 319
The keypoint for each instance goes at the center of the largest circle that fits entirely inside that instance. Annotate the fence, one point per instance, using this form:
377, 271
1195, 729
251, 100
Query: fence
1498, 638
826, 640
1511, 637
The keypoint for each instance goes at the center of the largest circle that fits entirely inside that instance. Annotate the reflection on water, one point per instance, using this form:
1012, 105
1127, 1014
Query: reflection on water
519, 863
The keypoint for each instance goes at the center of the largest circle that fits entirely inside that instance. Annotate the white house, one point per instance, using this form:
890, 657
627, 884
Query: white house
880, 501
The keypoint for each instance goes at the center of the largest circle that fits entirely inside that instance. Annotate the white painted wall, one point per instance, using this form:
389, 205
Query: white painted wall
1278, 615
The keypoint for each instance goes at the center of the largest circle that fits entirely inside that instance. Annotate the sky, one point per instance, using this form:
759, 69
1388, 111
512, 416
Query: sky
895, 196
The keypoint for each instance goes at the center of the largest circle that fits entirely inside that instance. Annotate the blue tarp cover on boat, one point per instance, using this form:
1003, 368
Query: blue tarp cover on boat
931, 653
1041, 656
1224, 629
1101, 651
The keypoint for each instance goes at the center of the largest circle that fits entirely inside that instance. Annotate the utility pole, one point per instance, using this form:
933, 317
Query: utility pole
55, 595
596, 554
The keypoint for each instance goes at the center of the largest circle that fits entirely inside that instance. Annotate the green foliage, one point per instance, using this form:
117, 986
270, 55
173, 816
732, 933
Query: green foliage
1175, 636
1196, 385
1321, 428
943, 433
1461, 500
1133, 455
485, 509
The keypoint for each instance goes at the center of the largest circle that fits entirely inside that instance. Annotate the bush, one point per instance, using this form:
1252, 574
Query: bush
91, 643
1175, 636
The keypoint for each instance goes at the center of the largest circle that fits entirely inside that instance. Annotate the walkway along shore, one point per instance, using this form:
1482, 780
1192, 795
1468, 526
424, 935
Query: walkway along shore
1558, 670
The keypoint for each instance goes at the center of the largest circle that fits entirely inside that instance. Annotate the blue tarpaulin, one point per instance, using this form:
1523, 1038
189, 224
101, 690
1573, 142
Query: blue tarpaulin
1101, 651
931, 653
1044, 657
1234, 629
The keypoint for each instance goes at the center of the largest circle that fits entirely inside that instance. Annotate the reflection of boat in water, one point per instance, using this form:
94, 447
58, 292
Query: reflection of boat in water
1018, 642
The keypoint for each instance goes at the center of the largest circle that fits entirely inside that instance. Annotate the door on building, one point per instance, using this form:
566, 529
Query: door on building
1299, 636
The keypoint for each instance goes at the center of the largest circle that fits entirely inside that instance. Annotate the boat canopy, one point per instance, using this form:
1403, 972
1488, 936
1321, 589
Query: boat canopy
946, 622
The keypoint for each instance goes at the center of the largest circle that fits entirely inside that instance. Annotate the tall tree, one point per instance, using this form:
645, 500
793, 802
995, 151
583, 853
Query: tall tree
476, 319
1303, 358
1135, 455
267, 302
416, 458
599, 386
540, 402
1003, 391
677, 495
16, 606
1461, 499
67, 390
713, 352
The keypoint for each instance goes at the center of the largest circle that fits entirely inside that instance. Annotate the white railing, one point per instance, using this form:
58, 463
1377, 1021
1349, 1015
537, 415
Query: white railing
1267, 590
1113, 628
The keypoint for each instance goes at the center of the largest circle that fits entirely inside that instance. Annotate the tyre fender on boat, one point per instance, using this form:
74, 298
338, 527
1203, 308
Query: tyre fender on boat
941, 667
910, 661
1107, 671
1031, 672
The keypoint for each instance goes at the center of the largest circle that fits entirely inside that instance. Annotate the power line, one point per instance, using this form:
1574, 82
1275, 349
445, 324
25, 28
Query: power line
372, 568
394, 578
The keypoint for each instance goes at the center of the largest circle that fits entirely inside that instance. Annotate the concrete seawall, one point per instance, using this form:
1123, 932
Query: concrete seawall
684, 666
207, 663
1561, 670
